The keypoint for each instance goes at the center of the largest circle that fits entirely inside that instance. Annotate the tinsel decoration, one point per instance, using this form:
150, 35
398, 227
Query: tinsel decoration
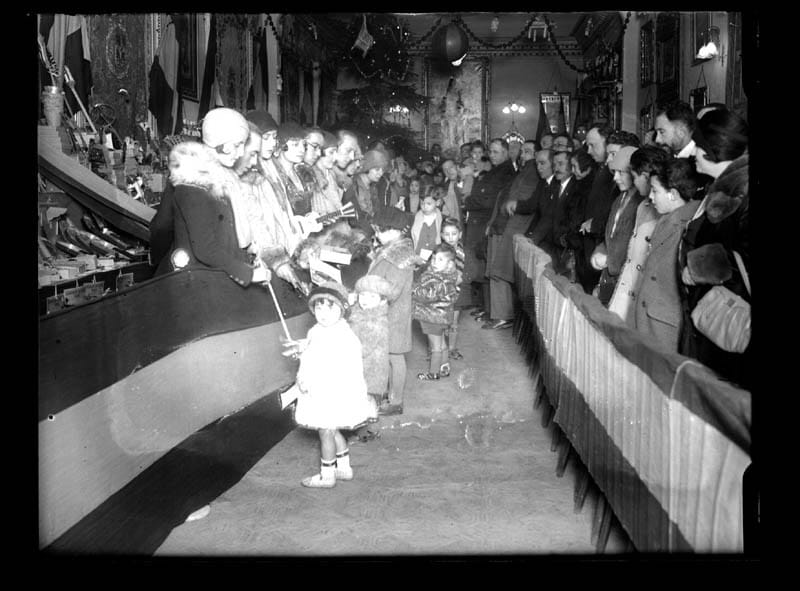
364, 41
387, 55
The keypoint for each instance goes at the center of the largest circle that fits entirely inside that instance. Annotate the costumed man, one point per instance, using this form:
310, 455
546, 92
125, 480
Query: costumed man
211, 228
264, 213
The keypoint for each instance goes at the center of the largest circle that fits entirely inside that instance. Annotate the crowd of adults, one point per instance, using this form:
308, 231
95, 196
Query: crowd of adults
646, 227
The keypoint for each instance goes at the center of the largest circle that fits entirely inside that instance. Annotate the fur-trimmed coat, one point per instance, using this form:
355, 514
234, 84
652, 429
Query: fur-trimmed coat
435, 295
707, 249
372, 329
395, 262
209, 218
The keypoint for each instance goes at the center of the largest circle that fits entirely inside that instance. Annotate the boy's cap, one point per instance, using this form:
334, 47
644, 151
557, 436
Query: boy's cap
330, 289
374, 284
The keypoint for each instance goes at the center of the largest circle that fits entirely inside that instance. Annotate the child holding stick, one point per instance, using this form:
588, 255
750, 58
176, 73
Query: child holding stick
333, 393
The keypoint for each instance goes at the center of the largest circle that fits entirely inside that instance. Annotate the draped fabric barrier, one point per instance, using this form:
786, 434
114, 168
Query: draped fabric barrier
662, 436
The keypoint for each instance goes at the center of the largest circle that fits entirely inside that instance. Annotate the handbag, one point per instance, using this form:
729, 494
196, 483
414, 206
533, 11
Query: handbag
724, 317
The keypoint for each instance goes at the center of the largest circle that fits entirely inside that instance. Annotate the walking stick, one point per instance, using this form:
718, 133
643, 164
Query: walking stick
280, 312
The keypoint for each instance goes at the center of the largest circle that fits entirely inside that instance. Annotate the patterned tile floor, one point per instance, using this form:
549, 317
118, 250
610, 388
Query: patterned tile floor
466, 470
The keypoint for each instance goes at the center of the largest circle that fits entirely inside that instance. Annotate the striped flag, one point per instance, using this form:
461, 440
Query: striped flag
67, 40
164, 98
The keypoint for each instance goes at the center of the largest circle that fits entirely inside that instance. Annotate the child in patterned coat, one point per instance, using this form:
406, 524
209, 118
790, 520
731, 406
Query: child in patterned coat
434, 299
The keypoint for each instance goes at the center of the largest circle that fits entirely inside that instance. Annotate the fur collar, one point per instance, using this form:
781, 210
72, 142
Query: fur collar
400, 253
729, 192
193, 163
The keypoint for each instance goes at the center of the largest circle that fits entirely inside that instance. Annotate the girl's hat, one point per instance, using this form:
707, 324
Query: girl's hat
331, 290
330, 140
390, 217
262, 119
374, 159
374, 284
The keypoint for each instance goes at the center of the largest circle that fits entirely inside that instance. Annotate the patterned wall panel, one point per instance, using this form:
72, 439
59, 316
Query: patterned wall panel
117, 50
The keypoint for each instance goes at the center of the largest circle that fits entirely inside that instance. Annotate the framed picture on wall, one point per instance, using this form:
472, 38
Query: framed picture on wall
456, 112
647, 55
698, 98
186, 33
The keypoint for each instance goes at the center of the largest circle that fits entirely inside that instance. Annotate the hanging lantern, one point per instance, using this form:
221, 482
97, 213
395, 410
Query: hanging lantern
450, 43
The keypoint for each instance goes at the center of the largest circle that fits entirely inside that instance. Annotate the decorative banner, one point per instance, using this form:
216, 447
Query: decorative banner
555, 107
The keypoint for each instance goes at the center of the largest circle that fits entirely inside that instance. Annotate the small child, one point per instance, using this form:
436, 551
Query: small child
395, 261
451, 234
333, 393
427, 226
414, 188
434, 299
369, 319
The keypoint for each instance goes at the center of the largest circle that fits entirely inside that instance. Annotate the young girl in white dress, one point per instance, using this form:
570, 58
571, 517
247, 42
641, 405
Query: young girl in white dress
333, 392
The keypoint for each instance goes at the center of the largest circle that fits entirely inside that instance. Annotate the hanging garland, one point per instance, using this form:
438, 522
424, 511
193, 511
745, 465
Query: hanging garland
600, 61
505, 45
418, 43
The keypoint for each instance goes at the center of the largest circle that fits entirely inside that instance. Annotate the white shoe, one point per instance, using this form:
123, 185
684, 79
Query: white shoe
317, 481
344, 473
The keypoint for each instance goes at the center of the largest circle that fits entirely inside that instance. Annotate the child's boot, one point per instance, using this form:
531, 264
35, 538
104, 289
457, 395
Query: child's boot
343, 470
326, 477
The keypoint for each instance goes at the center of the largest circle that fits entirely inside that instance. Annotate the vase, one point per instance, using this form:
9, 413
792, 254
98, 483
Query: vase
53, 105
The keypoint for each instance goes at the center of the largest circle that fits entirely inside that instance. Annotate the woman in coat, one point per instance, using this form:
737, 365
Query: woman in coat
719, 227
657, 304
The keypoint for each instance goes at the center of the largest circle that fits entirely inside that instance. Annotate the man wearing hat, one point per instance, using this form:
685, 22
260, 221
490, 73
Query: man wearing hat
210, 224
365, 192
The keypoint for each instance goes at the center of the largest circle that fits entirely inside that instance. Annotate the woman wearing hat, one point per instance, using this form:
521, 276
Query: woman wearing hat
720, 227
210, 224
610, 255
364, 192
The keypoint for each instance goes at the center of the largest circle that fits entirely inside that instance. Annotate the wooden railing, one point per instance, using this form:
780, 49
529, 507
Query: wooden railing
664, 439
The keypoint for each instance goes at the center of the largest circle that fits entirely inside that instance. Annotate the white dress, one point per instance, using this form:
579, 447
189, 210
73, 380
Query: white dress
331, 379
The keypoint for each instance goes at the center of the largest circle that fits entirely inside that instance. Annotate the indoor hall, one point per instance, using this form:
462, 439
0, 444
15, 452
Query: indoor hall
214, 188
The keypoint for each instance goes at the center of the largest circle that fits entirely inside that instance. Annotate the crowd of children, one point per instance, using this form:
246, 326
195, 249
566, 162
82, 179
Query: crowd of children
353, 361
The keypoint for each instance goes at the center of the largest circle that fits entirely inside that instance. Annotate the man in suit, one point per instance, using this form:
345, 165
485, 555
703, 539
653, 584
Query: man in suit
479, 206
674, 127
503, 225
598, 203
539, 205
563, 194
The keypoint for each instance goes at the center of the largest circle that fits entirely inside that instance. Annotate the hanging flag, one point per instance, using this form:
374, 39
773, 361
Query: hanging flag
78, 59
67, 39
209, 93
164, 98
258, 96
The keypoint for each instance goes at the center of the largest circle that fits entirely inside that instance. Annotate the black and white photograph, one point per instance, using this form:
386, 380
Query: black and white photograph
383, 285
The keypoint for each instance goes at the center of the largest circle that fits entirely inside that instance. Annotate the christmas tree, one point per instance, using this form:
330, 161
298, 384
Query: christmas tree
378, 57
